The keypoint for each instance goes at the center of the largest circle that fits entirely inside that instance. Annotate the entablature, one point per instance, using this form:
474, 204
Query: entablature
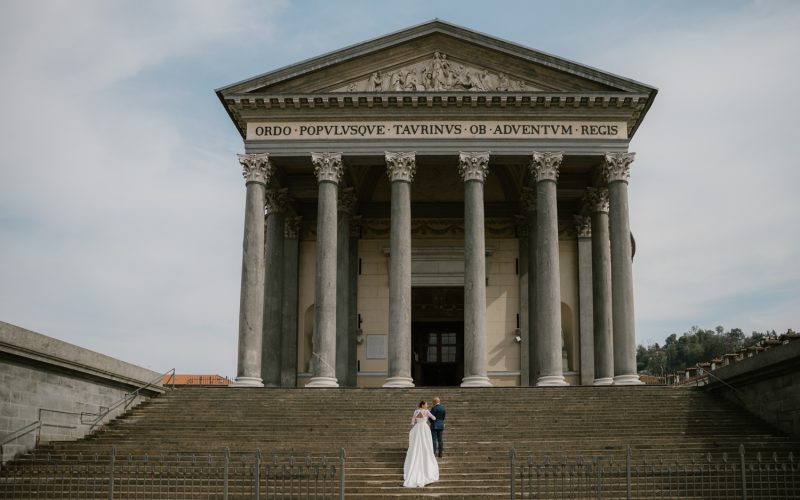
248, 108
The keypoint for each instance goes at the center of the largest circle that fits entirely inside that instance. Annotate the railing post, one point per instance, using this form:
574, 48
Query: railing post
513, 456
226, 460
258, 475
744, 474
628, 471
341, 473
111, 461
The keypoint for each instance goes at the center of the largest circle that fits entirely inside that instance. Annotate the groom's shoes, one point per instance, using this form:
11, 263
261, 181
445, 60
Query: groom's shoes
440, 454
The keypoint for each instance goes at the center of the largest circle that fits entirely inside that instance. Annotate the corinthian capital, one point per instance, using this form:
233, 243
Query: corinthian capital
346, 200
401, 166
474, 165
294, 224
583, 226
528, 199
327, 166
355, 226
544, 166
596, 200
275, 201
617, 166
256, 168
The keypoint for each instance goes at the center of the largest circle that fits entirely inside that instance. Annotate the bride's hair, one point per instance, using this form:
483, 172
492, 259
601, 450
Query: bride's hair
421, 404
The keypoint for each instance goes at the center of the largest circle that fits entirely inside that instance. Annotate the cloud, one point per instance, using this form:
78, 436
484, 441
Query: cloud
713, 187
117, 224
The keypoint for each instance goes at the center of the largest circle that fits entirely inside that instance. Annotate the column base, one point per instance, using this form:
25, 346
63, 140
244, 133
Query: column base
604, 381
476, 381
399, 382
627, 380
322, 382
551, 381
247, 382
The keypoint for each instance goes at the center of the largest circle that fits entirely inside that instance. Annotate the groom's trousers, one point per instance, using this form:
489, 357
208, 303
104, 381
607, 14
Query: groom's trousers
438, 441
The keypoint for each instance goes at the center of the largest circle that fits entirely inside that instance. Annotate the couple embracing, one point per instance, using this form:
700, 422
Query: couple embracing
425, 436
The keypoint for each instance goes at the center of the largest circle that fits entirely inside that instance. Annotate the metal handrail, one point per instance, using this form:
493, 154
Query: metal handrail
708, 373
132, 395
37, 425
736, 392
22, 431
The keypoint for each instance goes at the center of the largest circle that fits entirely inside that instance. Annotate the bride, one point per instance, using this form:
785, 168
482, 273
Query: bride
420, 467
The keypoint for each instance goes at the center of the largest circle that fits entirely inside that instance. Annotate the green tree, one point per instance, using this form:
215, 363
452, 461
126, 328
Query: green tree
691, 347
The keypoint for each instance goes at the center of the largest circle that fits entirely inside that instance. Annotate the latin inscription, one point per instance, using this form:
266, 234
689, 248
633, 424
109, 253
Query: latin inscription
435, 130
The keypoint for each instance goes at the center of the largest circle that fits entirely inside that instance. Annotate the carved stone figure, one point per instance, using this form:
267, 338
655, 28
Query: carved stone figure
502, 82
438, 74
397, 81
411, 82
375, 83
441, 72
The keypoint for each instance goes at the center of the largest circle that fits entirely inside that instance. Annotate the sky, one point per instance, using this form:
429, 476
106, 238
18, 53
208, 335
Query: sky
121, 201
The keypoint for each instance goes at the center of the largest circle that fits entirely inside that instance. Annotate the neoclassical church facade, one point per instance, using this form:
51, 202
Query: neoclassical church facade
436, 207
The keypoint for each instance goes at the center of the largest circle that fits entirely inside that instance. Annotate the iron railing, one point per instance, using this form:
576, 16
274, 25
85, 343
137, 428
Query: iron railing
206, 380
218, 476
714, 476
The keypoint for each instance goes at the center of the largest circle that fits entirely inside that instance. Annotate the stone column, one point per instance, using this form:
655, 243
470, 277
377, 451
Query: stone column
274, 224
352, 314
597, 203
544, 168
528, 199
328, 169
617, 172
583, 228
522, 272
473, 167
401, 168
257, 173
291, 249
346, 203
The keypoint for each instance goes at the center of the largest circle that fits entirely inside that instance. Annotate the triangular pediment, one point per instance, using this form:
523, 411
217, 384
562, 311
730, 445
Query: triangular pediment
434, 57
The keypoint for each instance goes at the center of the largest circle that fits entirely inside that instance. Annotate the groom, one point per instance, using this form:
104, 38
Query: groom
437, 426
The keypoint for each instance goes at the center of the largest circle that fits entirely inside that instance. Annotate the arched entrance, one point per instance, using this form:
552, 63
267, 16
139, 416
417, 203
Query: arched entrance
437, 336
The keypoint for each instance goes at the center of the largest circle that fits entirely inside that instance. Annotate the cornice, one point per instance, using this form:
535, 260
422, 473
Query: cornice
587, 99
632, 106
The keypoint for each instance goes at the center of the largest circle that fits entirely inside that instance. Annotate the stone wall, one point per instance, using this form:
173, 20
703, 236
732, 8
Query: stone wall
60, 385
767, 385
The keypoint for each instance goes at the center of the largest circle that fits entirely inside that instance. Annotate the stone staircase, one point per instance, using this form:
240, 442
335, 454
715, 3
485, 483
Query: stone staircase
372, 424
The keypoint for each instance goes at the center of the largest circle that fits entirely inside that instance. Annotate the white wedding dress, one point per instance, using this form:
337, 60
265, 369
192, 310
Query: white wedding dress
420, 467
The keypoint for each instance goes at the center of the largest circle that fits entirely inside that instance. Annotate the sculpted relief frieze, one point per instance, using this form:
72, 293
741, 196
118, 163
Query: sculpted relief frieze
437, 74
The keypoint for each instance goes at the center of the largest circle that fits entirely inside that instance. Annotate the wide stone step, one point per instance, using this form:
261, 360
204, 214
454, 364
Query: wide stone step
483, 425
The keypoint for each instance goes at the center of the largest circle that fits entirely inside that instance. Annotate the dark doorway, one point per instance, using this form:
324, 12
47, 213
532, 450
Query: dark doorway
437, 336
438, 358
